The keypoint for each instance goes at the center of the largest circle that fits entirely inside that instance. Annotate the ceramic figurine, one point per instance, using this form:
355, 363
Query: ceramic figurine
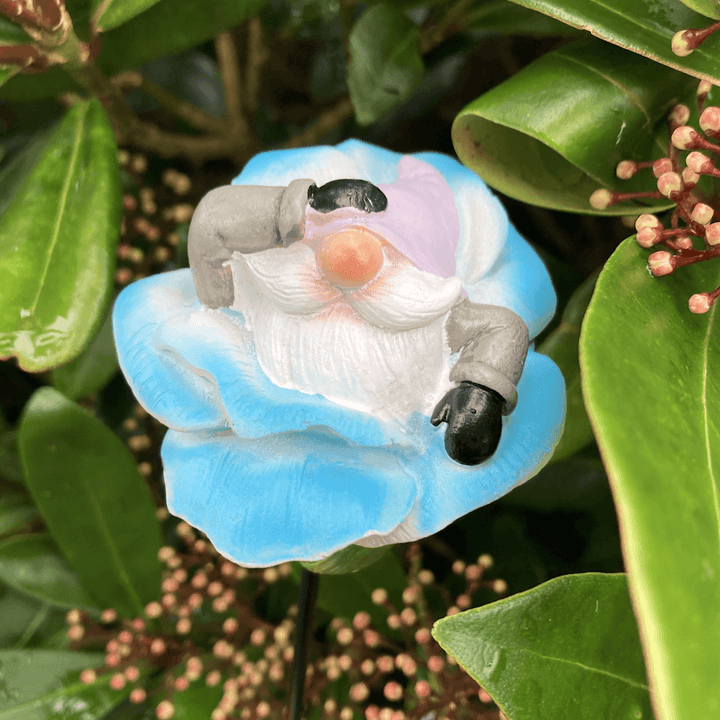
346, 364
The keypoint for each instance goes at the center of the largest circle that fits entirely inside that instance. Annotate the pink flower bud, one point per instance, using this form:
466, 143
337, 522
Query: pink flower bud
132, 673
710, 119
646, 220
660, 263
422, 636
626, 169
165, 710
698, 162
669, 182
601, 199
422, 689
157, 647
117, 681
661, 166
359, 692
712, 234
684, 242
137, 696
183, 626
704, 87
689, 177
684, 138
702, 213
500, 587
88, 676
680, 45
108, 616
699, 303
73, 617
379, 596
680, 114
153, 609
361, 620
393, 691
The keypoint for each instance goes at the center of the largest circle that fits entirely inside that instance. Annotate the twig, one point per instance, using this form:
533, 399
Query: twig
228, 64
186, 111
326, 122
306, 609
256, 58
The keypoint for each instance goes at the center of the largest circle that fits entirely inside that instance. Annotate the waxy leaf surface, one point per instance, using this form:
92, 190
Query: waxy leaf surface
385, 63
95, 503
34, 565
108, 14
57, 243
651, 381
562, 346
93, 369
44, 685
554, 132
16, 510
643, 26
567, 649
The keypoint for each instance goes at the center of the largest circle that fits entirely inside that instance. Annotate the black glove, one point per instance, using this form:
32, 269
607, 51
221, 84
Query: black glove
473, 414
359, 194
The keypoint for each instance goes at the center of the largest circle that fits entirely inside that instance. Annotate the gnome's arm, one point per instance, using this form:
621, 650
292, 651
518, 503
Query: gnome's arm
251, 218
492, 343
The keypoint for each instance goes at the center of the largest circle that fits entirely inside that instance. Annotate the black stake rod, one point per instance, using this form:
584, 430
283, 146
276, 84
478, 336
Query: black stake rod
306, 609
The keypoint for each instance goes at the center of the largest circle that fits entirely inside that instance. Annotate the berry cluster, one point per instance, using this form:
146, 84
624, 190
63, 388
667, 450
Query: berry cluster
693, 235
204, 631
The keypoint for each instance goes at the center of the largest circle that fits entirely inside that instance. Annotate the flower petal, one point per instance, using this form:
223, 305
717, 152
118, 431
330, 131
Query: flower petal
448, 490
286, 496
163, 384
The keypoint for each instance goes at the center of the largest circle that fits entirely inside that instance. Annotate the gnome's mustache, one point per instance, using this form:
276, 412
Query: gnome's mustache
399, 297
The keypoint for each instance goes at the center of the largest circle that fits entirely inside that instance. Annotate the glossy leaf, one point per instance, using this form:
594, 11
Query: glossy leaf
705, 7
9, 461
16, 510
11, 33
555, 131
95, 503
91, 370
57, 242
385, 62
503, 17
171, 27
566, 649
643, 26
651, 380
108, 14
34, 565
44, 685
7, 72
562, 346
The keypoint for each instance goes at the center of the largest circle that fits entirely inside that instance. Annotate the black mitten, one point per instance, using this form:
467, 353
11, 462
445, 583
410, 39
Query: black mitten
473, 414
359, 194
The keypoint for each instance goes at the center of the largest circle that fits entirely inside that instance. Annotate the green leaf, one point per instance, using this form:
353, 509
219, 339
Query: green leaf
554, 132
7, 72
170, 27
643, 26
95, 503
44, 685
91, 371
9, 461
562, 346
57, 242
706, 7
198, 701
566, 649
503, 17
108, 14
385, 62
651, 384
16, 510
11, 33
33, 564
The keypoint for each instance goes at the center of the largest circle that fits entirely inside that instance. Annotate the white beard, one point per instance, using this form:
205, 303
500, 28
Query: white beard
380, 349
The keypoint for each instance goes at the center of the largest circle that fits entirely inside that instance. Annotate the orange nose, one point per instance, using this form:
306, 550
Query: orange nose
350, 258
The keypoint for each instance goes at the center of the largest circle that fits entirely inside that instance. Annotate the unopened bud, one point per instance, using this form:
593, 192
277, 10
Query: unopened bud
601, 199
698, 162
710, 120
669, 182
88, 676
684, 138
165, 710
153, 609
689, 177
700, 303
379, 596
117, 681
661, 166
681, 44
680, 114
684, 242
704, 87
137, 696
660, 263
702, 213
108, 616
626, 169
646, 220
712, 234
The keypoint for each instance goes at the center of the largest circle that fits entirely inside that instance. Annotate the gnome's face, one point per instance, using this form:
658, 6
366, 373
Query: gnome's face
345, 315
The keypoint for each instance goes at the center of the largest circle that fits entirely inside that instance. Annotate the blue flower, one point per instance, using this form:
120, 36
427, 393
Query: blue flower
274, 473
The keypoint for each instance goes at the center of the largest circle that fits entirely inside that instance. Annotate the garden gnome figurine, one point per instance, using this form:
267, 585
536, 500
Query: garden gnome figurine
349, 291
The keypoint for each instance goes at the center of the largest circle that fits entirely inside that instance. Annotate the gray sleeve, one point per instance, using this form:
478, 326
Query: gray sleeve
241, 218
493, 343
